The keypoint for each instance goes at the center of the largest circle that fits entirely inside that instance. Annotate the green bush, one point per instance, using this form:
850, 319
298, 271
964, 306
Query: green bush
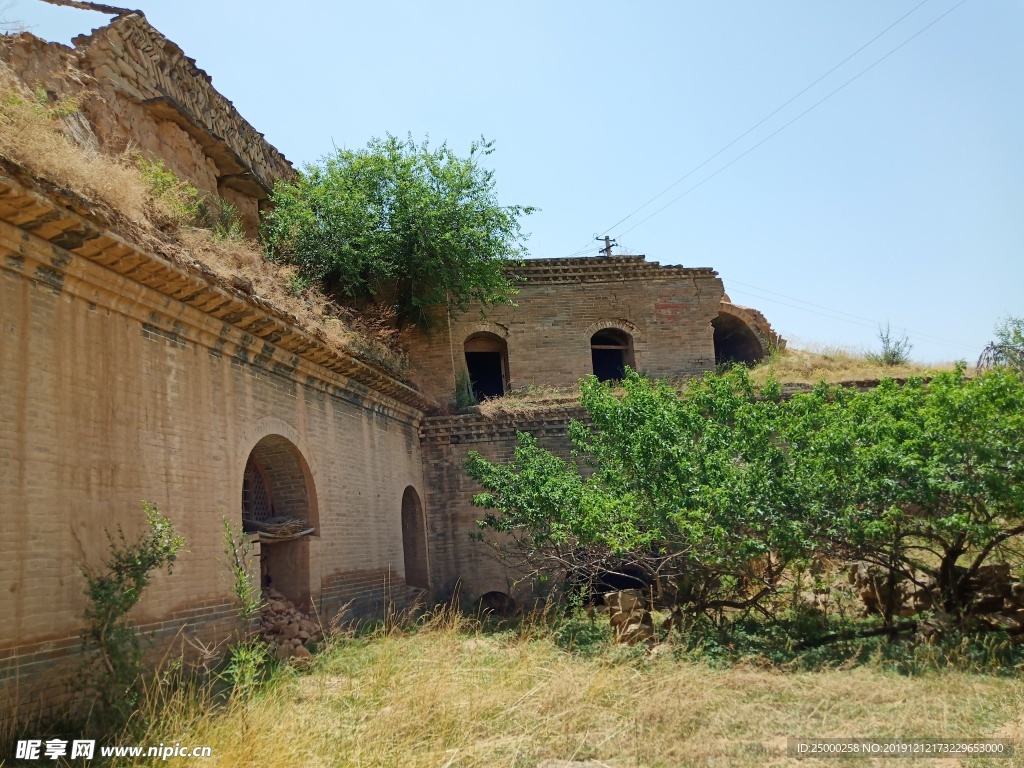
110, 639
895, 350
185, 204
717, 496
399, 225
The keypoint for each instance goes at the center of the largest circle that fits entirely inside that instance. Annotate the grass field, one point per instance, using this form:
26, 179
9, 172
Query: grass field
449, 692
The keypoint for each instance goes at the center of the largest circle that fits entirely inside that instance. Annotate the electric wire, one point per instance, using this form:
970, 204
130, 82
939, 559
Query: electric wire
753, 127
762, 120
862, 322
786, 125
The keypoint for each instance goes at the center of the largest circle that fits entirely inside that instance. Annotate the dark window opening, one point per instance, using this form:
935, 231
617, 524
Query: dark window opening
414, 539
735, 342
485, 374
611, 350
487, 365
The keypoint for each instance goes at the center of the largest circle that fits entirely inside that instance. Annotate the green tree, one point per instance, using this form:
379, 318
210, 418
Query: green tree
934, 475
400, 225
109, 636
695, 492
713, 494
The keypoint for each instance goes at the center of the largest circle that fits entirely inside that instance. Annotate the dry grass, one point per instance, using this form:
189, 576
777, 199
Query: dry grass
53, 143
530, 401
449, 695
834, 365
32, 134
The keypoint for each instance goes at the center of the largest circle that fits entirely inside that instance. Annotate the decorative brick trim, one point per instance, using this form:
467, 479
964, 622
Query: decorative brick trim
587, 269
248, 319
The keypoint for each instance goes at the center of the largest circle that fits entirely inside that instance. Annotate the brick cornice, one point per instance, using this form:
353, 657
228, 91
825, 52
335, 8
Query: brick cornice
195, 286
477, 428
595, 269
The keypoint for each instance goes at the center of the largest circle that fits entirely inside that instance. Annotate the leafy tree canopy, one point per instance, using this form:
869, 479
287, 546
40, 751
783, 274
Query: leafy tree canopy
726, 485
401, 225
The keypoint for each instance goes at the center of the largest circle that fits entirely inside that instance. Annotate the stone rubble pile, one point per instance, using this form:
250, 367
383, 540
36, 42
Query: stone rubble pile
285, 628
627, 613
993, 598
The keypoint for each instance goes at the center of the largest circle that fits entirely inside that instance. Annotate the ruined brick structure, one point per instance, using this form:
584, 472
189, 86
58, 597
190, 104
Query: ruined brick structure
666, 319
138, 89
126, 376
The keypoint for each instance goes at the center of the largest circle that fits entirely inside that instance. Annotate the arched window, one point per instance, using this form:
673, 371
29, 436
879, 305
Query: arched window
257, 503
414, 539
611, 351
487, 364
734, 341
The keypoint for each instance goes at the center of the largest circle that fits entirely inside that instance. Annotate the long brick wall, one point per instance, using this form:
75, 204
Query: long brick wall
126, 377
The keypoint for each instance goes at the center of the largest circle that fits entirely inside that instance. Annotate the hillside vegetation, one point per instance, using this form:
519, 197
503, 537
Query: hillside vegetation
48, 143
789, 366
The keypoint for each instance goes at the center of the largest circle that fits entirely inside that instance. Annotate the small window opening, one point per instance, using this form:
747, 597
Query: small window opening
487, 364
611, 351
257, 503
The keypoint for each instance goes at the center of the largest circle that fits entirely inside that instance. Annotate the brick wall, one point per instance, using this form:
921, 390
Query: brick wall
457, 562
562, 303
125, 377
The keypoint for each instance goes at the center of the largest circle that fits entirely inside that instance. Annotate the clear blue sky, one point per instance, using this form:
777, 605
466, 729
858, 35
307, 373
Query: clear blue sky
899, 198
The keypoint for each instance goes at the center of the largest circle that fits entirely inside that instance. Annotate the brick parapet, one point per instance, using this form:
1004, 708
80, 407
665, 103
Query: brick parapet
476, 428
603, 269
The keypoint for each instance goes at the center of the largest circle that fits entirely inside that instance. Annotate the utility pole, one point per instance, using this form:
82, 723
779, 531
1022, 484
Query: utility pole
608, 243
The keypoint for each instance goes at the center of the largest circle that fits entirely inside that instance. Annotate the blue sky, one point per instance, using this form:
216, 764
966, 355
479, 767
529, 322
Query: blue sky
898, 199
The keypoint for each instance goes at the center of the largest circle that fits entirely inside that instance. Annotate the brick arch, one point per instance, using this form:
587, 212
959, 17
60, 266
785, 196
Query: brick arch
486, 356
608, 364
289, 479
735, 340
485, 586
486, 327
286, 473
620, 323
271, 425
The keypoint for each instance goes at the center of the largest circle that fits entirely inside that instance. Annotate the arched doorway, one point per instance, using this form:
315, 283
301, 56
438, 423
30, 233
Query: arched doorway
611, 350
734, 341
414, 539
487, 364
277, 484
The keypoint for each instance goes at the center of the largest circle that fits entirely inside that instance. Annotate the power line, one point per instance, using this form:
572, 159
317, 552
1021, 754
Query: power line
764, 119
754, 126
859, 321
786, 125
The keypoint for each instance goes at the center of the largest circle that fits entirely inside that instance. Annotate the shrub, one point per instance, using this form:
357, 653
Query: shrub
112, 592
1008, 347
248, 656
184, 204
716, 497
895, 351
